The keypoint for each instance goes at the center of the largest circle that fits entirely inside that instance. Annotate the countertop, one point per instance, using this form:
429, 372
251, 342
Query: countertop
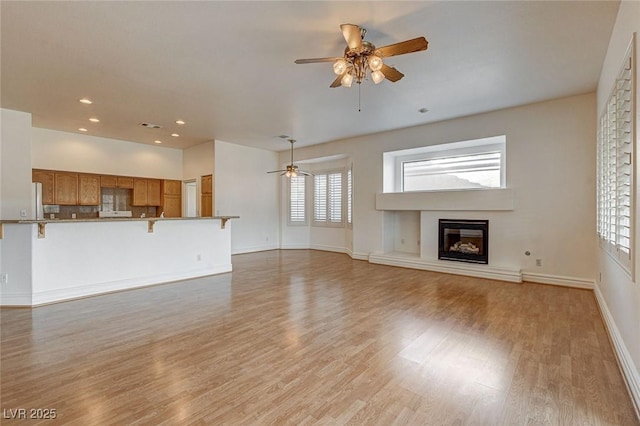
118, 219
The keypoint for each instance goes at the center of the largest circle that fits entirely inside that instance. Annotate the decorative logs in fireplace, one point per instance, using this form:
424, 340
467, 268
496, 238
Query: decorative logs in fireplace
463, 240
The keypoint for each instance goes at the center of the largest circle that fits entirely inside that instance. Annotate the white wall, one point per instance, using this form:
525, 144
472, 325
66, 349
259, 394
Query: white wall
243, 188
550, 168
15, 161
56, 150
616, 290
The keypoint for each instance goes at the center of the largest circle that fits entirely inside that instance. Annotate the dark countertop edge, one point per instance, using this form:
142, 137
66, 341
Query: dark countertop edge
117, 219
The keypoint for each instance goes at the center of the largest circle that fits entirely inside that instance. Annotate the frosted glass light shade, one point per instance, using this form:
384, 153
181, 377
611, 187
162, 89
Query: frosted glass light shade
340, 66
347, 80
377, 76
375, 63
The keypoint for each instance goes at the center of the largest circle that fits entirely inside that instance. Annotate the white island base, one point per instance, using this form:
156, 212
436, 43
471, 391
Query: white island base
51, 261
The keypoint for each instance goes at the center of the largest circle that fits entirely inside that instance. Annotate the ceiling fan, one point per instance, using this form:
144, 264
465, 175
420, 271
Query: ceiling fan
292, 170
360, 56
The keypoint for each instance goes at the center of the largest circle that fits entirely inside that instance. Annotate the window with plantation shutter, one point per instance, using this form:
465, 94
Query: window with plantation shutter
327, 198
615, 158
349, 197
297, 201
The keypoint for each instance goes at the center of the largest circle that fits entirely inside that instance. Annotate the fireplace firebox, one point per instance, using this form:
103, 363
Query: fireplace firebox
463, 240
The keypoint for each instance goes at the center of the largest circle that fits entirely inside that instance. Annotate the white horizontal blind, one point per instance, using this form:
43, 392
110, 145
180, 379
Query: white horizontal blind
328, 201
297, 200
615, 160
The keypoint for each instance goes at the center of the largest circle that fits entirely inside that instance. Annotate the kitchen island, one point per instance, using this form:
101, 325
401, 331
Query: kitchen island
46, 261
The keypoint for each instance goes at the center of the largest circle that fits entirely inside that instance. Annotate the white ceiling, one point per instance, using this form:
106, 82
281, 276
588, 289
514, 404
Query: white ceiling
227, 68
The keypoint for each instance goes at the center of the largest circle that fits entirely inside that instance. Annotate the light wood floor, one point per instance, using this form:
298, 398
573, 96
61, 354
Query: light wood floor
307, 337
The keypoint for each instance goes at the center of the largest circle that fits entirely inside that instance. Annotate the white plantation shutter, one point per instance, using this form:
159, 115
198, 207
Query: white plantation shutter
349, 197
334, 200
320, 198
615, 168
297, 201
328, 198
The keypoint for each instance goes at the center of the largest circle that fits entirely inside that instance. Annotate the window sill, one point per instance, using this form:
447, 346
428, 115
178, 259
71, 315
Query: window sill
475, 199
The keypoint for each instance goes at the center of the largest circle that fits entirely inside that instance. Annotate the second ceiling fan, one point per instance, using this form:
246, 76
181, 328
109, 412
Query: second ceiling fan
360, 56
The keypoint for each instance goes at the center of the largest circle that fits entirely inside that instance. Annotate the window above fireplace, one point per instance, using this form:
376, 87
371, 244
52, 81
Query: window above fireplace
473, 164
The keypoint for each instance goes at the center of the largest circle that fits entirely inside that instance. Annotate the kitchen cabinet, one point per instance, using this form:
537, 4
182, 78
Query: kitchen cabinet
206, 204
146, 192
66, 188
172, 198
139, 192
46, 178
154, 195
88, 190
107, 181
125, 182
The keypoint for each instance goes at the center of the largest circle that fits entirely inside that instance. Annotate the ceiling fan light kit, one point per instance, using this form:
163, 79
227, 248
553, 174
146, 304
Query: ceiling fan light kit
292, 170
361, 57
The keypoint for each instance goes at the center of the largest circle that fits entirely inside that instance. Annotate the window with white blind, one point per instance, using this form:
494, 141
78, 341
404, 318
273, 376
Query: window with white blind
297, 200
349, 197
327, 198
615, 158
472, 164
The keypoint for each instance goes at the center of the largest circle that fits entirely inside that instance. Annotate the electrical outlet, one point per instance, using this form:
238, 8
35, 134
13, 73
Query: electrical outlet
198, 257
4, 278
23, 213
402, 241
538, 262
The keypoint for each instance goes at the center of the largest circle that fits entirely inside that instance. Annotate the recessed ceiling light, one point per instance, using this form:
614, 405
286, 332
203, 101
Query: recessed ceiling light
175, 135
423, 110
86, 101
180, 122
94, 120
158, 141
82, 129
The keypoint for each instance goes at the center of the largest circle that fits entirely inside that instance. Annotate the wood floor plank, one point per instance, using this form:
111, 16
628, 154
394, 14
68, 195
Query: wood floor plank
307, 337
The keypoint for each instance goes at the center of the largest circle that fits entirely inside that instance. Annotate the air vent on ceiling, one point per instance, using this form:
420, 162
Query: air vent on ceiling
149, 125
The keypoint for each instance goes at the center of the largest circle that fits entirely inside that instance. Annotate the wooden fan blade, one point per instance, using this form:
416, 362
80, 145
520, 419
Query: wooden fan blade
336, 82
305, 173
277, 171
316, 60
352, 35
408, 46
391, 73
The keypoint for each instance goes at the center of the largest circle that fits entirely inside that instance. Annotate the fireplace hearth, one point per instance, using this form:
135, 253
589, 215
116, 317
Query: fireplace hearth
463, 240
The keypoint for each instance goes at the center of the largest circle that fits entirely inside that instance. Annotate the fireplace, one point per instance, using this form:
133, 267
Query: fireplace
463, 240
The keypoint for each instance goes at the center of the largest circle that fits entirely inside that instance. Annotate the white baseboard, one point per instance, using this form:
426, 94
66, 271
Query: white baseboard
15, 299
294, 247
558, 280
254, 249
458, 268
60, 295
334, 249
625, 362
357, 256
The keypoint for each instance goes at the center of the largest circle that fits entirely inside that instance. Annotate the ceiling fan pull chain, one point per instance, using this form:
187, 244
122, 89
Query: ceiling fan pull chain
359, 96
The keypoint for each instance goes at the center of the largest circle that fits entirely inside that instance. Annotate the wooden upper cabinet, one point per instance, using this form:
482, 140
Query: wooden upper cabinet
125, 182
108, 181
172, 187
46, 178
66, 188
154, 196
139, 192
88, 190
